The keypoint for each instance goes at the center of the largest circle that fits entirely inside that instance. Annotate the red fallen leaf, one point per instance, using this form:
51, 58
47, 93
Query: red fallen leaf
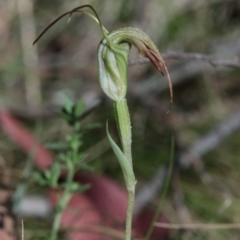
109, 198
25, 139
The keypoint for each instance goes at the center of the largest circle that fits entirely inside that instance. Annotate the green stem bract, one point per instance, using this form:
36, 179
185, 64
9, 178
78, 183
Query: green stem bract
124, 127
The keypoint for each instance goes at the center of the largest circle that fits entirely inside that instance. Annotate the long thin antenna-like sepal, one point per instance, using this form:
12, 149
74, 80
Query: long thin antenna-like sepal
70, 14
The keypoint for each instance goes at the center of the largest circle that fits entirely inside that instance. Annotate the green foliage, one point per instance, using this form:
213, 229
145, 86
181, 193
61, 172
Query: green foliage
69, 160
124, 163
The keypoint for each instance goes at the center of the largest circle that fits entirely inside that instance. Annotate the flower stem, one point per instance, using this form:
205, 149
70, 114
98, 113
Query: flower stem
124, 128
131, 197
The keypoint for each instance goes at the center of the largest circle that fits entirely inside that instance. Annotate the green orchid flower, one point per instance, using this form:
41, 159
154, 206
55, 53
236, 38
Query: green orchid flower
113, 55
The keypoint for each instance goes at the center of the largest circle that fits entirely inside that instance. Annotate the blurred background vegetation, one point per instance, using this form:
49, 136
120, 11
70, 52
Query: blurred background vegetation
200, 42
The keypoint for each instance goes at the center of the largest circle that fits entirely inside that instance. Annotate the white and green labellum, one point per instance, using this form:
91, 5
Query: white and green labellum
113, 66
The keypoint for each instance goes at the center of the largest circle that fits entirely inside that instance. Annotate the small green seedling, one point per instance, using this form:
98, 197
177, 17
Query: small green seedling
70, 159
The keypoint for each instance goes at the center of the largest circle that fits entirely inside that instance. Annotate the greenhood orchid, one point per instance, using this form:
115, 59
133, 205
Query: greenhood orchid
113, 53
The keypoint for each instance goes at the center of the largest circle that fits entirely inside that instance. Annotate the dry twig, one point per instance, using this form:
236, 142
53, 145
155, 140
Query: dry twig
201, 226
210, 140
214, 61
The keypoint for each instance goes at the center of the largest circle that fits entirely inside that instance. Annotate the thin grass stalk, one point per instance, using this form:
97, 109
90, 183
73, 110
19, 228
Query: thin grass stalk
164, 193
